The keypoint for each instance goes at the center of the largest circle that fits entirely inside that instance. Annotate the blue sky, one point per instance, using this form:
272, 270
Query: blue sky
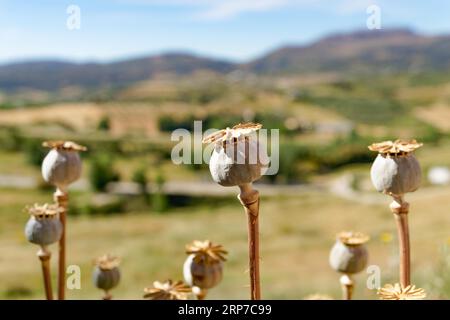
233, 29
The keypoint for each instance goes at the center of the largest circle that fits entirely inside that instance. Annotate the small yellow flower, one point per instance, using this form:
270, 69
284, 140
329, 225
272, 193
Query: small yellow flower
397, 292
386, 237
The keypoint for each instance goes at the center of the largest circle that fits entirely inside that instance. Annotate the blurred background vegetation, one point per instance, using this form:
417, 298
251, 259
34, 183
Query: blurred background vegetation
134, 202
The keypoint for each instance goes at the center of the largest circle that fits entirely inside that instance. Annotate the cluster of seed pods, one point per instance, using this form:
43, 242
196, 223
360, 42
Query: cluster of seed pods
61, 167
202, 271
238, 159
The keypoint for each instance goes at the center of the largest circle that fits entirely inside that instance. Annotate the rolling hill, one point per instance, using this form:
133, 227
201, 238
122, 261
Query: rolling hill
380, 51
361, 52
52, 75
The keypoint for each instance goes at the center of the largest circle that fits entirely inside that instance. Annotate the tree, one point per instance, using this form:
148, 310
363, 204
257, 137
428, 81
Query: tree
102, 172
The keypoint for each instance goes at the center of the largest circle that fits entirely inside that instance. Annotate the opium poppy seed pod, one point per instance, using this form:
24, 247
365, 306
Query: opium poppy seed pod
43, 228
396, 170
106, 273
203, 267
349, 253
238, 157
62, 165
168, 290
349, 256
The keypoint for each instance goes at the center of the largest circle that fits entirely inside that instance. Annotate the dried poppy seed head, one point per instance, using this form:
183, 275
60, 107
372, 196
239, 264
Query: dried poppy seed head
397, 292
106, 274
62, 165
396, 170
167, 290
203, 267
43, 228
238, 157
349, 254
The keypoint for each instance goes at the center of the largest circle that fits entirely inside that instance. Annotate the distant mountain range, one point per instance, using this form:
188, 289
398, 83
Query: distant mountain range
380, 51
398, 50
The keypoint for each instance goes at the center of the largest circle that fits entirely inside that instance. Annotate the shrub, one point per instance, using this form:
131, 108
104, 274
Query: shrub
102, 172
104, 124
160, 202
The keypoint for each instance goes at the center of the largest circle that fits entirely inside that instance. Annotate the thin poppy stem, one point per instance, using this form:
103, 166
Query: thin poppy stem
249, 199
45, 255
400, 209
62, 199
348, 286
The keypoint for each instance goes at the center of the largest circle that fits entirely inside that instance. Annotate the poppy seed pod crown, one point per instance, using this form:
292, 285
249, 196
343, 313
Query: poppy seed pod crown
206, 251
396, 170
238, 157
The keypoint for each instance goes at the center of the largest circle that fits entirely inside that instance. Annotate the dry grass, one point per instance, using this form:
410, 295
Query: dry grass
77, 115
437, 115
